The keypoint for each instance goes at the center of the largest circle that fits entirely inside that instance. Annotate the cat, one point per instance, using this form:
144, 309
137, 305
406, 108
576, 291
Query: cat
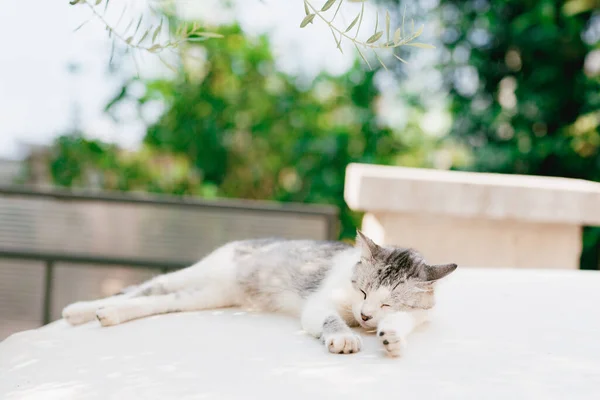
330, 286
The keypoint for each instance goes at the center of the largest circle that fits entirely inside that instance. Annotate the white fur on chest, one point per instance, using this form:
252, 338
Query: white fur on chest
337, 288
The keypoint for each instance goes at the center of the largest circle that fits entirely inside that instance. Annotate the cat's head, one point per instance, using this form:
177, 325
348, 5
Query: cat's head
389, 279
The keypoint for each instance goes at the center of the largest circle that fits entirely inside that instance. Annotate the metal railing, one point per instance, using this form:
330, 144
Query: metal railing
85, 228
50, 259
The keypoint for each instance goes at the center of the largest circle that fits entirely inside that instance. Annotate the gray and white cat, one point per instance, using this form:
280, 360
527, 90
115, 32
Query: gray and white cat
331, 286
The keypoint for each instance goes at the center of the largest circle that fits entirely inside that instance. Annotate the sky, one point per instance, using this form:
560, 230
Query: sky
36, 92
38, 95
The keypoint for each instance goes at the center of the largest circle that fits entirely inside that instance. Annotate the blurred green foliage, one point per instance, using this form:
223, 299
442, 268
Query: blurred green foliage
80, 162
536, 107
535, 110
236, 127
523, 83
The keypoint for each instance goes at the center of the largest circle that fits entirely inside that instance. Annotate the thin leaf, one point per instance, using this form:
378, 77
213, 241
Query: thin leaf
138, 25
333, 33
376, 22
157, 31
195, 28
387, 25
306, 10
137, 67
362, 56
116, 99
403, 15
418, 33
307, 20
81, 26
337, 42
73, 2
412, 25
352, 23
337, 10
121, 16
98, 2
112, 53
106, 5
375, 37
144, 35
328, 5
209, 34
171, 67
129, 39
421, 45
401, 59
128, 26
380, 61
154, 48
397, 36
362, 12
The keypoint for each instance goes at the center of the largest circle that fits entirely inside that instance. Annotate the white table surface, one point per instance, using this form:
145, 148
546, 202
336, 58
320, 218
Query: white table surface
497, 334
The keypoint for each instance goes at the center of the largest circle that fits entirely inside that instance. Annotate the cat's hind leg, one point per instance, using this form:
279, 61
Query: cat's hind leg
185, 300
217, 269
85, 311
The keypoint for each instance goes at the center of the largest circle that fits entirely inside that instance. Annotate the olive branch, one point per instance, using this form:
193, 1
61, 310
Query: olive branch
376, 41
136, 37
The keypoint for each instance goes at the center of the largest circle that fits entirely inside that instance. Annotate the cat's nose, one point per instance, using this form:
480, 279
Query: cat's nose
365, 317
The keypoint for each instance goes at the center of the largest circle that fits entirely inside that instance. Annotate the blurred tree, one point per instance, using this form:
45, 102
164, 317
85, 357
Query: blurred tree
248, 131
79, 162
535, 107
523, 78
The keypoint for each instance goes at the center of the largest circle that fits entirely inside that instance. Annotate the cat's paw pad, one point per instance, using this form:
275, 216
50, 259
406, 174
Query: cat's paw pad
78, 313
393, 343
343, 343
108, 316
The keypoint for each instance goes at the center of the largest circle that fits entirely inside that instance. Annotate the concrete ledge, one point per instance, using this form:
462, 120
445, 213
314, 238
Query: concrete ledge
496, 334
475, 219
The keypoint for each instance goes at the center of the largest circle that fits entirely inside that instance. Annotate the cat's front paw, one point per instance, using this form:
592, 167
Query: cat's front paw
108, 316
393, 343
343, 343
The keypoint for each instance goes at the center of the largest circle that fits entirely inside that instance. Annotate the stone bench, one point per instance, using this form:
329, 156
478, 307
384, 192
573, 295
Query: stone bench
475, 219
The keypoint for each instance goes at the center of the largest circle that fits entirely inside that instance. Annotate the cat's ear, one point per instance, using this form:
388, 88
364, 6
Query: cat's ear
435, 272
367, 246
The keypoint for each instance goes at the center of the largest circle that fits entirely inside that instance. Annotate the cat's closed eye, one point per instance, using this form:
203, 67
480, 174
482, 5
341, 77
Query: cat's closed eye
385, 305
364, 294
